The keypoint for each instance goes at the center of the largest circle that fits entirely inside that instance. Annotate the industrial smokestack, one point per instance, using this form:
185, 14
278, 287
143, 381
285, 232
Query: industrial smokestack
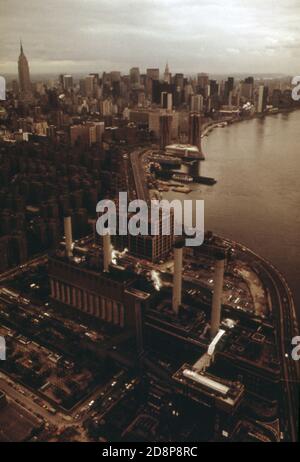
177, 276
107, 252
217, 296
68, 236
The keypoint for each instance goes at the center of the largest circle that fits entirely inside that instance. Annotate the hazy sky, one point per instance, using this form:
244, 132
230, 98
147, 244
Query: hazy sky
219, 36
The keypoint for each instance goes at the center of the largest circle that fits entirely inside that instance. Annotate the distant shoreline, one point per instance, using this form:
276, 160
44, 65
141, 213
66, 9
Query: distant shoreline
210, 126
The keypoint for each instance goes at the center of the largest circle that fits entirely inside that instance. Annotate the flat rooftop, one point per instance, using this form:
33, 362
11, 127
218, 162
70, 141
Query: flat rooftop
90, 259
226, 394
16, 424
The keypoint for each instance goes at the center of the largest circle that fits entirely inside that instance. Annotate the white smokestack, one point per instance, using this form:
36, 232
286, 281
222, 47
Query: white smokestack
68, 236
177, 277
217, 297
107, 252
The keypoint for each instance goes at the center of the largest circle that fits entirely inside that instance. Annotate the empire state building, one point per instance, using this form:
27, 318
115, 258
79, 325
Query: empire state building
24, 76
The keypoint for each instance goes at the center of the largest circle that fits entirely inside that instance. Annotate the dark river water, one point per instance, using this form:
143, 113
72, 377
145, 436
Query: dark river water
257, 198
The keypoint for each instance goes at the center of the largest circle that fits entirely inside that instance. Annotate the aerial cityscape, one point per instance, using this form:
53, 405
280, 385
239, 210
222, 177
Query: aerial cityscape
152, 337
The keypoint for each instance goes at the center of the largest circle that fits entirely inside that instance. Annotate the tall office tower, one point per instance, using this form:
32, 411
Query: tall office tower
89, 85
115, 76
178, 97
67, 82
143, 79
234, 98
156, 91
151, 76
157, 244
249, 80
61, 79
165, 125
96, 77
202, 80
100, 129
195, 130
163, 99
197, 102
188, 91
82, 87
167, 101
214, 87
247, 88
153, 73
84, 134
24, 75
154, 123
179, 80
262, 99
221, 88
135, 76
167, 74
228, 88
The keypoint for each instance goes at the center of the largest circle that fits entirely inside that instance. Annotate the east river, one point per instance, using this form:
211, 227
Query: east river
256, 200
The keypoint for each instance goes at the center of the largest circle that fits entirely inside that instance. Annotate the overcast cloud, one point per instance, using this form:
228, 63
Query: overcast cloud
220, 36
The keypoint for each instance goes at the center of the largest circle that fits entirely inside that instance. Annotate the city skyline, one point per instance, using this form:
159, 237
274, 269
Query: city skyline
154, 34
149, 232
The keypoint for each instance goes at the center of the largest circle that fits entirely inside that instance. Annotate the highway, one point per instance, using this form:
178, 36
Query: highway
136, 158
286, 328
285, 332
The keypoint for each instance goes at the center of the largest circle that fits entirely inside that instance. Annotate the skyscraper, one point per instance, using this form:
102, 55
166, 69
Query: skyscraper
24, 76
152, 75
135, 78
203, 83
247, 87
165, 125
167, 100
262, 99
167, 74
197, 103
67, 81
195, 131
229, 85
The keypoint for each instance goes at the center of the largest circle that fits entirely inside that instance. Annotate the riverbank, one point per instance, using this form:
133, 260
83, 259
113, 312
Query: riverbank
208, 127
256, 199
